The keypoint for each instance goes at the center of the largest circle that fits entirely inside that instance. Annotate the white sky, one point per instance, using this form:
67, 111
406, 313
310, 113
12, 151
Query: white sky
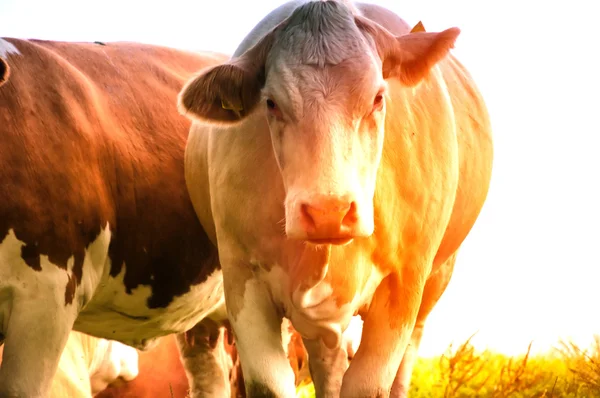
530, 268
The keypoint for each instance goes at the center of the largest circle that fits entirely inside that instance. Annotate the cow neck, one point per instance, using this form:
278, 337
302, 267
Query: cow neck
310, 267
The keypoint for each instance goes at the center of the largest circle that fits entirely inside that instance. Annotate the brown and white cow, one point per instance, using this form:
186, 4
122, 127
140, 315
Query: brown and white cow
97, 230
345, 160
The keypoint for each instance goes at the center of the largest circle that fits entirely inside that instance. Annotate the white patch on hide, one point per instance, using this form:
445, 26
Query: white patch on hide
19, 281
34, 297
353, 334
259, 336
116, 315
112, 360
108, 311
7, 48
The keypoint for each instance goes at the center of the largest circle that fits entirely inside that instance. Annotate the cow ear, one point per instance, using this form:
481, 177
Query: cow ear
419, 27
229, 92
418, 53
4, 71
408, 57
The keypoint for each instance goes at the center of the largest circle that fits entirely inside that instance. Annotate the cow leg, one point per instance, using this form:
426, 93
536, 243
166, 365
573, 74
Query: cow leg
434, 288
207, 364
256, 327
387, 329
35, 335
403, 377
327, 367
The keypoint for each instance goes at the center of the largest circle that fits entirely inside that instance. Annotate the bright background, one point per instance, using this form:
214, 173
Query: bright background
530, 270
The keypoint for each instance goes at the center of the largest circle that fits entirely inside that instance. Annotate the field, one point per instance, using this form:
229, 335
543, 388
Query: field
568, 371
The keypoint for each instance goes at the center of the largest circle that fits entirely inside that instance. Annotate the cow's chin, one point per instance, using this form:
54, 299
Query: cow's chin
341, 238
342, 241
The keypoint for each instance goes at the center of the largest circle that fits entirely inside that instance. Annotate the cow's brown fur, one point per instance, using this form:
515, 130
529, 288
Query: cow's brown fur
90, 137
87, 144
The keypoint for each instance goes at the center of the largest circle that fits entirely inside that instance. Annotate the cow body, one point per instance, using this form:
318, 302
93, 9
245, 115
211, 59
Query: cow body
345, 161
97, 231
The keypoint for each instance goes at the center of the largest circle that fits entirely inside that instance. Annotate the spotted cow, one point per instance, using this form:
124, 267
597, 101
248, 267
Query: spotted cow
339, 160
97, 230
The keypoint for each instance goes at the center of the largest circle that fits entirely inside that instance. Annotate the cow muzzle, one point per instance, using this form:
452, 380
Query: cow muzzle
326, 219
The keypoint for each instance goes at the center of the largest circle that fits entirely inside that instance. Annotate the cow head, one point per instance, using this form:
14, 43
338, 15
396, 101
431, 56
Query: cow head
320, 79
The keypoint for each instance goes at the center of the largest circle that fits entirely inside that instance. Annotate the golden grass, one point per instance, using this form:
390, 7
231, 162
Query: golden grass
567, 371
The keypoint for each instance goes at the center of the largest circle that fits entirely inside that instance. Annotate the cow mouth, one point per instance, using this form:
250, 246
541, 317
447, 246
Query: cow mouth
331, 241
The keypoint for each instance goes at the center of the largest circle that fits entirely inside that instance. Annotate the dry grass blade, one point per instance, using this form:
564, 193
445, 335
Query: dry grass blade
584, 364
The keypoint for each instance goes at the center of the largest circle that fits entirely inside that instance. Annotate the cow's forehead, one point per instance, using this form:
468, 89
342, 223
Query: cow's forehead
346, 82
319, 33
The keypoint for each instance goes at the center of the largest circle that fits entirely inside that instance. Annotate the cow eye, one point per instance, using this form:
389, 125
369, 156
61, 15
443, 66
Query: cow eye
273, 109
378, 101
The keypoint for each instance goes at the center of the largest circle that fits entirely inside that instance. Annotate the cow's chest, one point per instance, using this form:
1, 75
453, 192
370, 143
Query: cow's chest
317, 290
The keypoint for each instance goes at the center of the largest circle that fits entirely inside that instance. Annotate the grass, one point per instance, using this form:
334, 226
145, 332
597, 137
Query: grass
567, 371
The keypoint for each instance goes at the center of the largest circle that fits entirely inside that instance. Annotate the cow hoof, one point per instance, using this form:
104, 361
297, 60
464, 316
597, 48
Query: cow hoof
259, 390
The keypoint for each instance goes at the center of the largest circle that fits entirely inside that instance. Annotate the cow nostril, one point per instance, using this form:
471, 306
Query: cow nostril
351, 216
305, 211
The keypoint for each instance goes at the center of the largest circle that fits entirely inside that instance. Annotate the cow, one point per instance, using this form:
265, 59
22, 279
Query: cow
88, 365
339, 161
97, 230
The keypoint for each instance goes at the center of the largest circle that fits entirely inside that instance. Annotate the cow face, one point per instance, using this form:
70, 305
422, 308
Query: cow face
326, 124
319, 77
